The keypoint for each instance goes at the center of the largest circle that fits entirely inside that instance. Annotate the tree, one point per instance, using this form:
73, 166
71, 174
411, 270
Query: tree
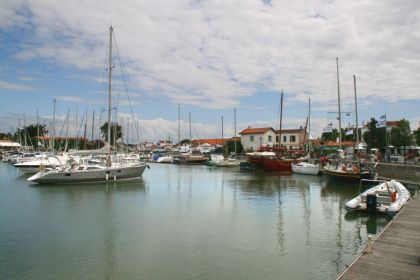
6, 136
401, 134
230, 147
330, 136
417, 136
33, 130
375, 137
114, 128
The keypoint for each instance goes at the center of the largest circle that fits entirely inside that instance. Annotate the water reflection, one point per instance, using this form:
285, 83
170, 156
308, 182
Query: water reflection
182, 222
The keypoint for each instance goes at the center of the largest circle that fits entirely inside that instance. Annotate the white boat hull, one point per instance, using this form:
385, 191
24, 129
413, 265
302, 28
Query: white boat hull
384, 201
112, 173
305, 168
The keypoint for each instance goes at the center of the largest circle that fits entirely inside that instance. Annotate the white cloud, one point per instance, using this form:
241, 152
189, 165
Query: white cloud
15, 87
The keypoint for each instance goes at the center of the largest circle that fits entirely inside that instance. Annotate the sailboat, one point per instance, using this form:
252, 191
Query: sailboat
344, 171
272, 158
306, 167
74, 172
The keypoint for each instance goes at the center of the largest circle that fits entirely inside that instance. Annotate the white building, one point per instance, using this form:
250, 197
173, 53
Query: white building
253, 138
293, 138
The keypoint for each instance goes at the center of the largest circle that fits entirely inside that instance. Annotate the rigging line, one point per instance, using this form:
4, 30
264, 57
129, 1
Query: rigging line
64, 123
125, 84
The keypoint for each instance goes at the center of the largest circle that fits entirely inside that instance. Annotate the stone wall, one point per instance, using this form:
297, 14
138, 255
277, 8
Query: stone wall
404, 173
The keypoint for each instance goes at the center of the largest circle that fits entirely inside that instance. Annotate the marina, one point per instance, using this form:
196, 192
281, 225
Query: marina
209, 140
181, 221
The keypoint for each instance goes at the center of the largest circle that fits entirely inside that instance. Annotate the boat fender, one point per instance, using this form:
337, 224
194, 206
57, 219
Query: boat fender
41, 167
393, 196
354, 169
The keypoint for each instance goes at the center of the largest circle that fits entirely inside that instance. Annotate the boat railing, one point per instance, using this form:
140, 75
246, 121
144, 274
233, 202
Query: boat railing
370, 181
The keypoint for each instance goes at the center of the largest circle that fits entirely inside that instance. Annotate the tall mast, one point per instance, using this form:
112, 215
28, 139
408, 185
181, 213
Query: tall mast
234, 135
357, 121
84, 134
281, 116
53, 128
67, 130
339, 106
93, 123
37, 130
179, 125
109, 83
222, 130
189, 119
309, 123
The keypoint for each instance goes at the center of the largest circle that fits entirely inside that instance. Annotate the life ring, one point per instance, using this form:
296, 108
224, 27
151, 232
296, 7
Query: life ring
344, 168
393, 196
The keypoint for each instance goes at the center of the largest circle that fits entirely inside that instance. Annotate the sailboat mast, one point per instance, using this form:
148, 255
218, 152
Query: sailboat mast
357, 121
222, 131
53, 128
179, 125
109, 83
189, 120
234, 137
309, 123
339, 106
281, 116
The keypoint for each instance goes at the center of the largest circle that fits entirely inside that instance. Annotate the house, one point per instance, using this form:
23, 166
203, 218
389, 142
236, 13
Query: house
292, 138
253, 138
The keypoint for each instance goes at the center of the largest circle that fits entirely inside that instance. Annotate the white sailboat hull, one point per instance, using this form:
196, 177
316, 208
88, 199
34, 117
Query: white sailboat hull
305, 168
112, 173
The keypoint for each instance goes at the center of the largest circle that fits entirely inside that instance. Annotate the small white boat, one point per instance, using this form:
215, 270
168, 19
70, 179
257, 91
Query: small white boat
33, 166
305, 168
388, 197
165, 159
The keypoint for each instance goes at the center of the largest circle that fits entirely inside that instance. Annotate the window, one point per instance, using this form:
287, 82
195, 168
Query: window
251, 138
292, 138
270, 138
277, 139
284, 138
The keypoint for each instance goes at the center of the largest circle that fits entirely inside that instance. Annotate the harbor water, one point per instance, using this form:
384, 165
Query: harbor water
180, 222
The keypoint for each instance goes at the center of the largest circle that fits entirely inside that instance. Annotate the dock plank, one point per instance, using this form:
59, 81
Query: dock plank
396, 252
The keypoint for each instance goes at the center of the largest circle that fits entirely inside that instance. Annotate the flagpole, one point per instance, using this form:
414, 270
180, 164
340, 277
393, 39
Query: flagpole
357, 121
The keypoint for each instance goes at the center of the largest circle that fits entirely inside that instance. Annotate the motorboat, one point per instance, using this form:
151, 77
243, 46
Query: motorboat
305, 168
388, 197
165, 159
221, 161
37, 163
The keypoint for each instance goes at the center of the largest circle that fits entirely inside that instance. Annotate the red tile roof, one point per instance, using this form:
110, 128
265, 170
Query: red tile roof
215, 141
212, 142
260, 130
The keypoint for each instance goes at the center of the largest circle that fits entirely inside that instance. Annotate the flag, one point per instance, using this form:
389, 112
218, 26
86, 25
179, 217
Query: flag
349, 132
383, 117
327, 129
381, 124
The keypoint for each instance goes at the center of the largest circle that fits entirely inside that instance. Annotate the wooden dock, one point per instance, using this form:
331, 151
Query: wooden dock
395, 253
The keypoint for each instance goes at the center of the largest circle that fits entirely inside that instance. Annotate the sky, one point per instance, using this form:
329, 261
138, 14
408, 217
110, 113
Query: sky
203, 59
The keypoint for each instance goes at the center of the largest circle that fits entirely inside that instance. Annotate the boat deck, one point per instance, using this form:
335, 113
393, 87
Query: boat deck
395, 253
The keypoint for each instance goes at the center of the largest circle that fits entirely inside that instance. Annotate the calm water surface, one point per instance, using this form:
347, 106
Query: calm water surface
180, 222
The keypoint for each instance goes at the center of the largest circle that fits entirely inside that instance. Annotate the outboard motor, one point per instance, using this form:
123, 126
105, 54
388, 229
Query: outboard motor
371, 202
